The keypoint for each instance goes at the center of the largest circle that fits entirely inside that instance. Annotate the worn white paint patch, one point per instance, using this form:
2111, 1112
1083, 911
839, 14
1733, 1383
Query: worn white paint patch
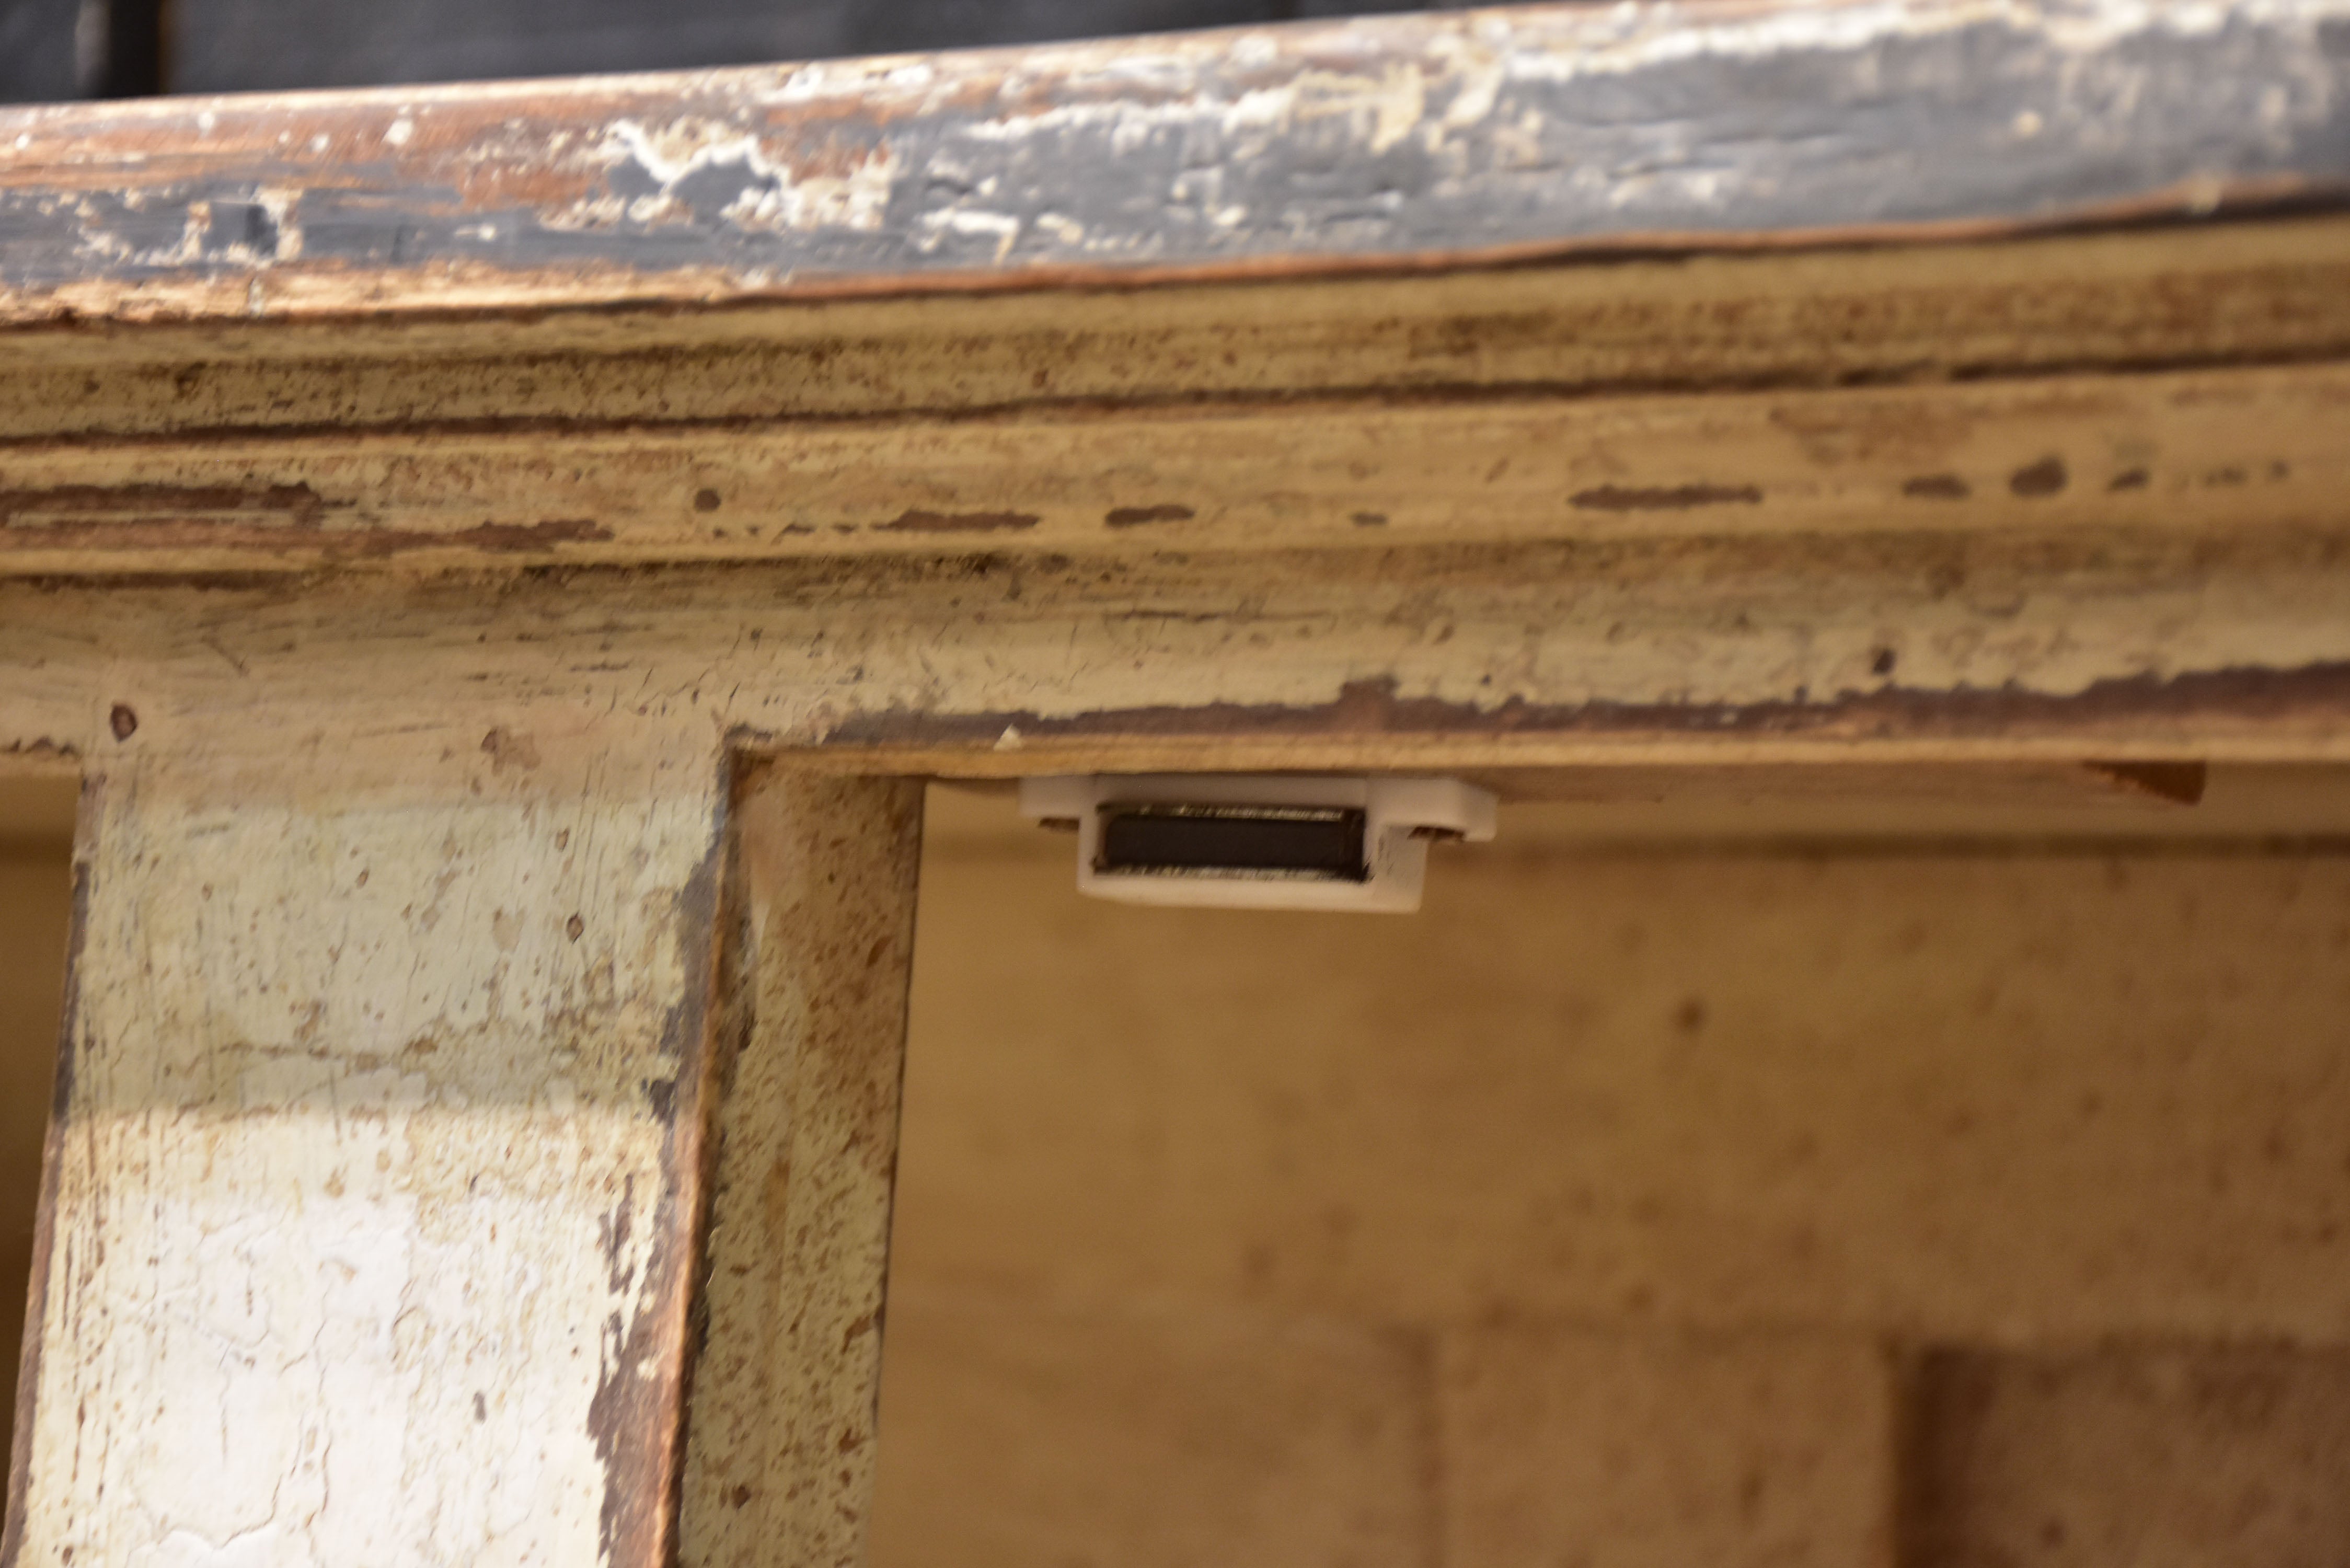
1497, 127
1002, 227
1139, 85
356, 1201
96, 240
773, 195
282, 205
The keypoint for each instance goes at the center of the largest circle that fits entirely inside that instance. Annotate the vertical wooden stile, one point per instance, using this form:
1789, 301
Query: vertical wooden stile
394, 1117
780, 1453
367, 1227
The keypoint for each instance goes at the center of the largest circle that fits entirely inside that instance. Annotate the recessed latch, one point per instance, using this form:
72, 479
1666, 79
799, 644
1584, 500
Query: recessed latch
1257, 841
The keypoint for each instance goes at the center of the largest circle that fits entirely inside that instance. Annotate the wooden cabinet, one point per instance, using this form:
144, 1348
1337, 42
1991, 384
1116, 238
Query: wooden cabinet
496, 557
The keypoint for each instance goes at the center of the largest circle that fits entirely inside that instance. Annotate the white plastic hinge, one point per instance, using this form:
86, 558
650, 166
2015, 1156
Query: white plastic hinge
1258, 841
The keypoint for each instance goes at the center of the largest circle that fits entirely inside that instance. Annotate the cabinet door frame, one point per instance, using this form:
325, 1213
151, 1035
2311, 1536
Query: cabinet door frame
588, 510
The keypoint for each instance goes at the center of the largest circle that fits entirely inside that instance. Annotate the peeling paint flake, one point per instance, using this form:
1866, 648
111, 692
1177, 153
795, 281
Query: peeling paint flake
1382, 138
352, 1160
696, 171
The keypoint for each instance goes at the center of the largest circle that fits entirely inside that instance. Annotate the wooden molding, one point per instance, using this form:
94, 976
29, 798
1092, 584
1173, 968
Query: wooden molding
2163, 452
1399, 140
2055, 645
469, 487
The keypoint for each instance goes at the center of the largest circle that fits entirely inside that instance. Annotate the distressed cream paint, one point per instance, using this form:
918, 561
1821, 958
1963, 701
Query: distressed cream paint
474, 1144
2097, 381
2236, 446
361, 1186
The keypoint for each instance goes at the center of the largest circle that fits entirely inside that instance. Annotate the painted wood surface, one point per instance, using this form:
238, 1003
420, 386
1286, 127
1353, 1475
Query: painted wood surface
2210, 295
2160, 453
392, 1124
1377, 141
2223, 644
368, 1232
780, 1439
2130, 382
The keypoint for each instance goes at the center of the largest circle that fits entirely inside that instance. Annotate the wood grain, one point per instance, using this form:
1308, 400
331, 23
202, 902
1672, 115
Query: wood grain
2242, 448
779, 1465
2215, 645
367, 1233
1924, 383
2192, 378
1377, 141
2219, 294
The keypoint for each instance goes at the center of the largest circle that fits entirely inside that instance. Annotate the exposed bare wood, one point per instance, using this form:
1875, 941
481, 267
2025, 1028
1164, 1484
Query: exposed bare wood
1146, 1107
1378, 139
2222, 292
2241, 448
37, 808
388, 1134
781, 1424
36, 903
2225, 645
367, 1233
1591, 1125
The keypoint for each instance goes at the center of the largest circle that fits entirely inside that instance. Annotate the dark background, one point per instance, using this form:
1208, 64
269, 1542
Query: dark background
57, 49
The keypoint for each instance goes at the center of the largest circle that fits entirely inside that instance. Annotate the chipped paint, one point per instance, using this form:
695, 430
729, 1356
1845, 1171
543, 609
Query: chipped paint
385, 1091
2244, 447
1664, 497
781, 1418
1666, 634
662, 174
1401, 139
358, 1173
386, 1010
1378, 709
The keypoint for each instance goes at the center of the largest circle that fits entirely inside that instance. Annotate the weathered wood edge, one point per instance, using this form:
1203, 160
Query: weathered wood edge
784, 1373
633, 1419
2159, 452
1397, 140
1370, 727
44, 1209
2222, 645
2191, 378
636, 1420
